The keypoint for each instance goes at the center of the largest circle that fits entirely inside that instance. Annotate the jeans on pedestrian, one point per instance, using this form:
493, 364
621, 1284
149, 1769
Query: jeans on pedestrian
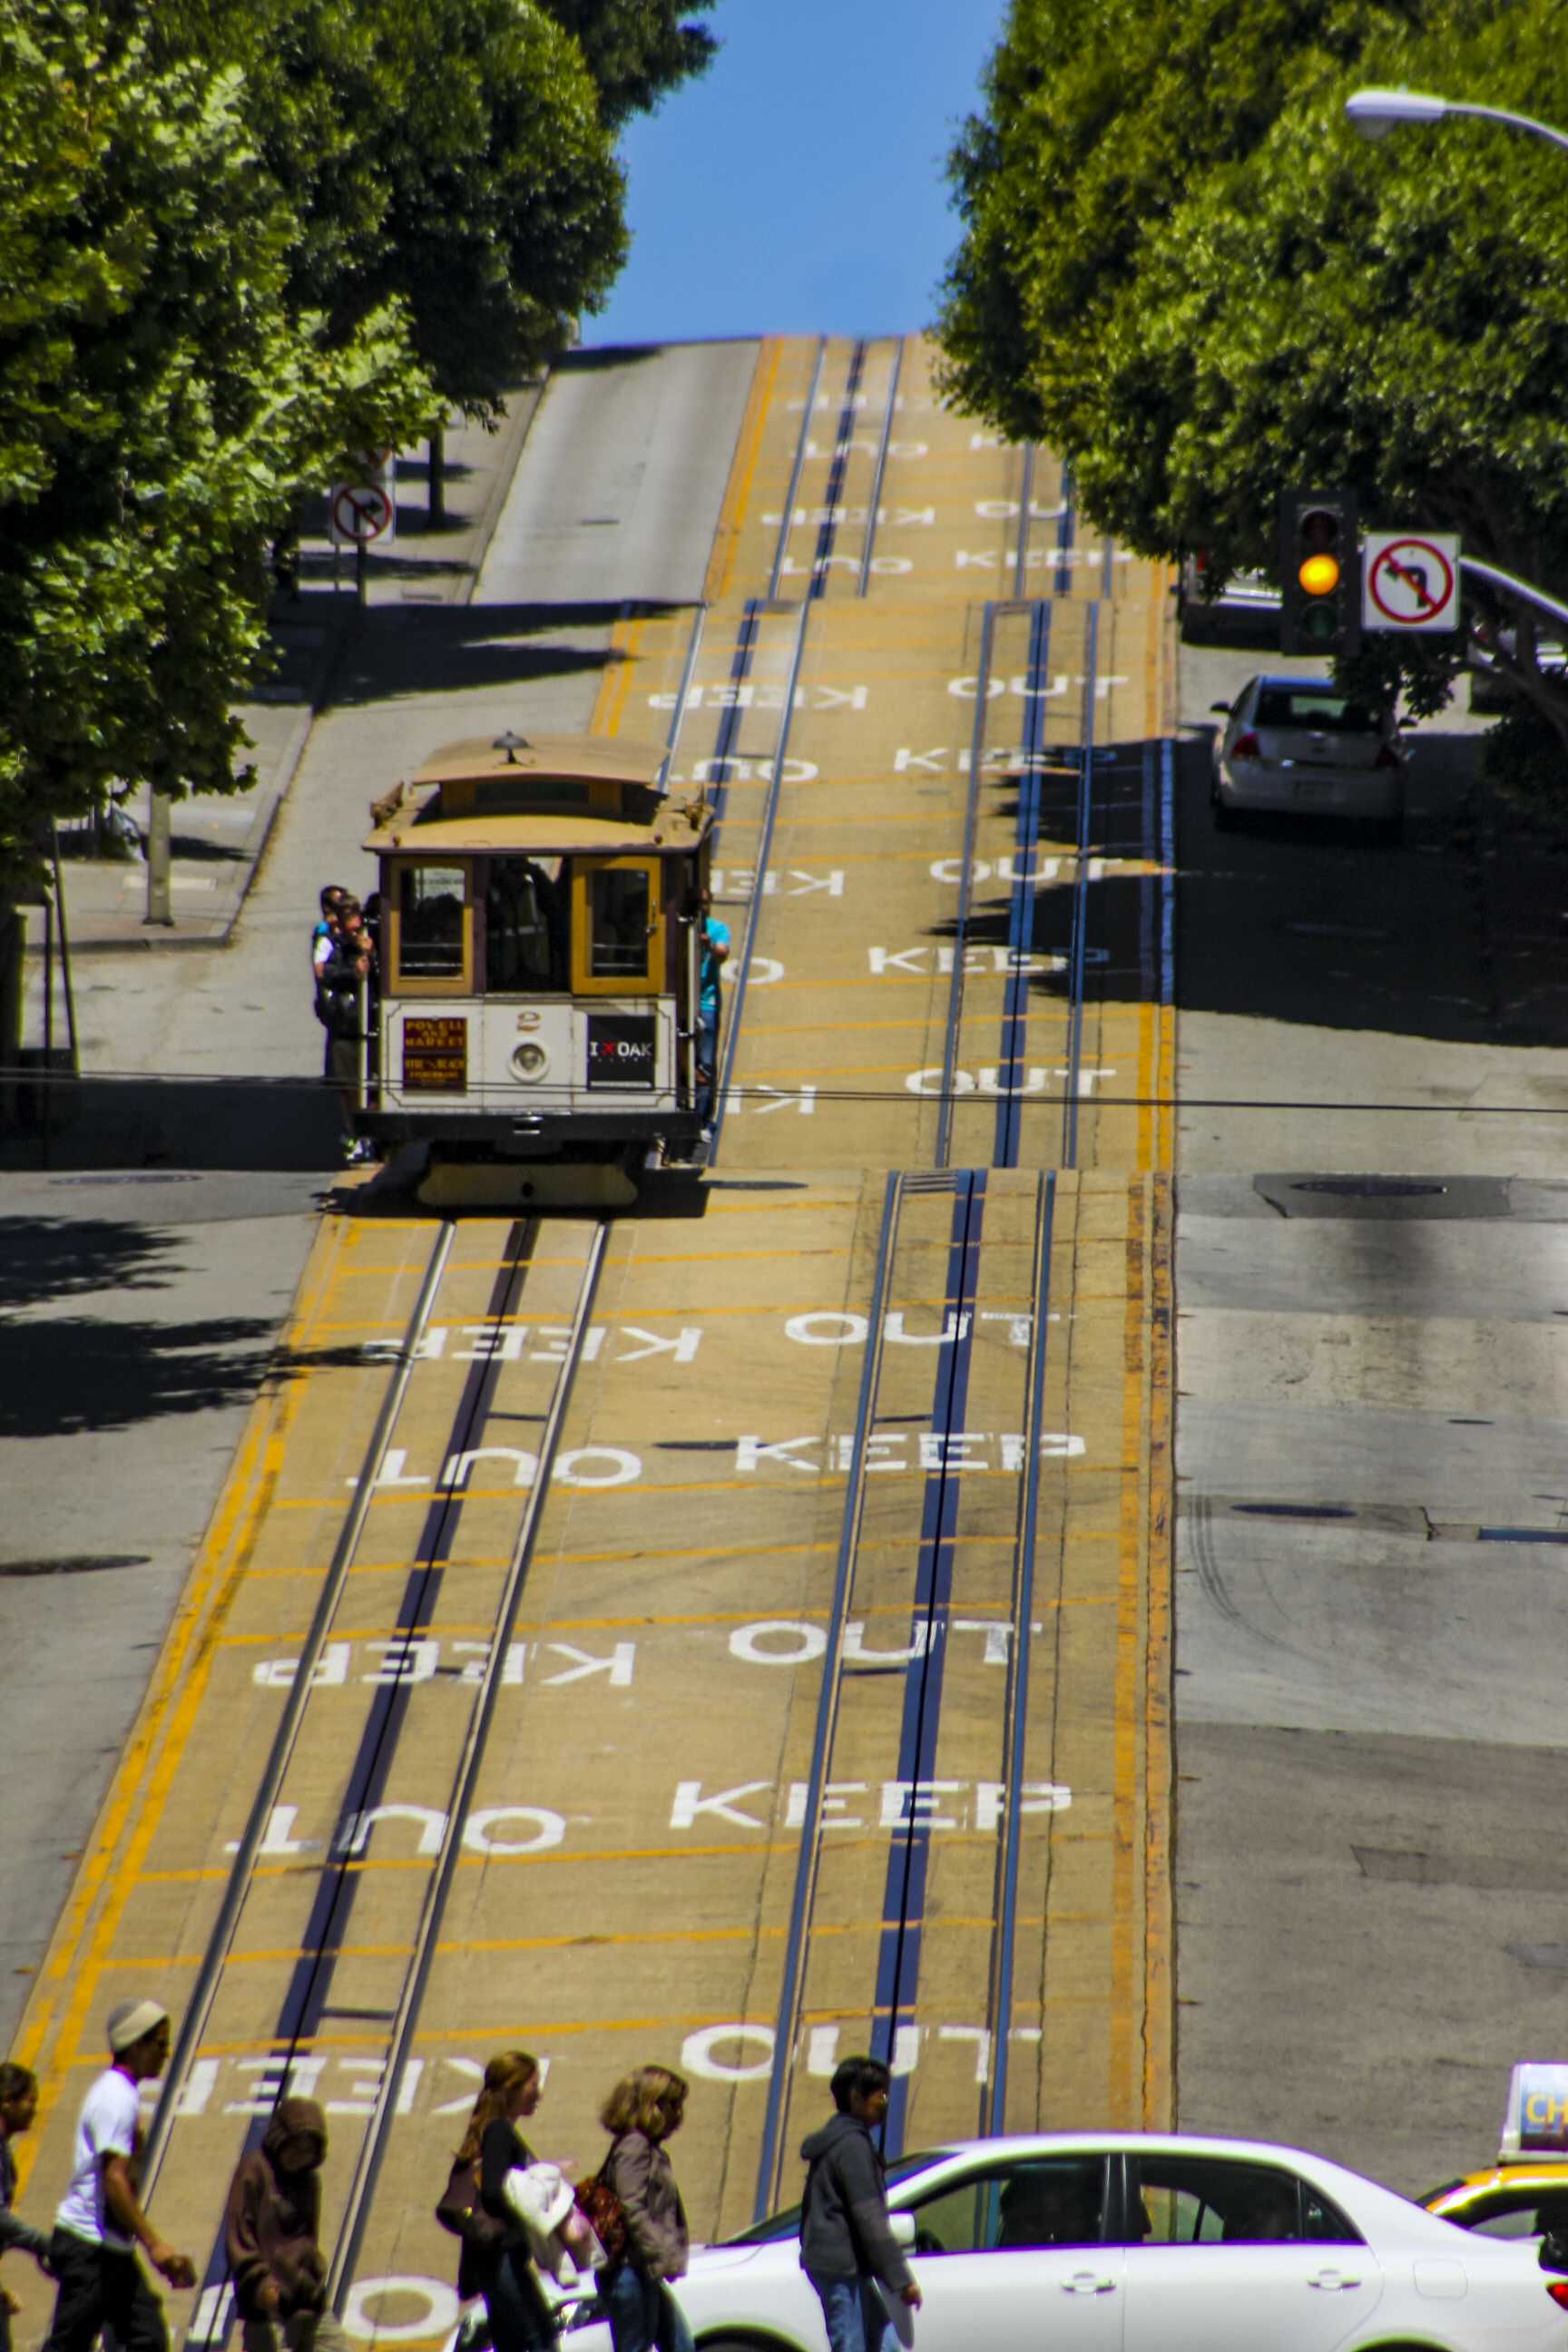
856, 2314
707, 1060
102, 2289
644, 2315
302, 2331
519, 2317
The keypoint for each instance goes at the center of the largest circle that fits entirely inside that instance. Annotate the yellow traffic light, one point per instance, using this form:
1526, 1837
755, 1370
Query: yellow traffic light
1319, 575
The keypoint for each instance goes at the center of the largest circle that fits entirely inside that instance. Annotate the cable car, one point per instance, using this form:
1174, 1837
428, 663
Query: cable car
540, 953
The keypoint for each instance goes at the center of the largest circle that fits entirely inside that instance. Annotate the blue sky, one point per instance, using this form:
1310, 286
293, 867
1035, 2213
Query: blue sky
798, 187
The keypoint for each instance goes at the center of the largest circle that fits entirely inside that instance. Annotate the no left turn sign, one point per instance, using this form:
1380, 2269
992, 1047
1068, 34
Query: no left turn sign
360, 512
1409, 585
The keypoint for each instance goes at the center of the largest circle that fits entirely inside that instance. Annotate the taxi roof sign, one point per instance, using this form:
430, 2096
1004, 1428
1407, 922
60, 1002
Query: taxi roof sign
1535, 2121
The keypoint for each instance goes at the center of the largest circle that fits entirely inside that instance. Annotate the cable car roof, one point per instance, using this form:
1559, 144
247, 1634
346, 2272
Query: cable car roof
541, 795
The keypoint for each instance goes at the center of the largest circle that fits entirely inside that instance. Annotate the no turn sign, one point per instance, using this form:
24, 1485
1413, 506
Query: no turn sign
360, 512
1409, 585
362, 506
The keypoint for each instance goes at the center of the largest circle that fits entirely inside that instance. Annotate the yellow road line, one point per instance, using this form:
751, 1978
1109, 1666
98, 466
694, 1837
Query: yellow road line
737, 490
167, 1713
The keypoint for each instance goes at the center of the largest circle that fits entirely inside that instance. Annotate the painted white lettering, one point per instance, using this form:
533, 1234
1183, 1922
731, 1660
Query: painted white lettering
501, 1346
855, 1645
278, 1674
524, 1466
808, 1642
948, 1450
549, 1830
438, 2319
956, 1327
624, 1467
354, 1835
405, 1659
690, 1802
683, 1346
911, 1804
697, 2053
751, 1453
981, 2037
997, 1637
617, 1665
906, 759
826, 1330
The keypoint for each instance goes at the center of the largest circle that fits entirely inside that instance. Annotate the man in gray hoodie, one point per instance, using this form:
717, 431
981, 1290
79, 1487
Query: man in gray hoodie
846, 2245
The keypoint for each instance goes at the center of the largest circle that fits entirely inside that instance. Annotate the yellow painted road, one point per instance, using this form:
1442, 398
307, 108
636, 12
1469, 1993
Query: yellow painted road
950, 970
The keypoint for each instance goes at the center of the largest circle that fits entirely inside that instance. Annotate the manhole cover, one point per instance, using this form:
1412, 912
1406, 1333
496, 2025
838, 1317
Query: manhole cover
1369, 1187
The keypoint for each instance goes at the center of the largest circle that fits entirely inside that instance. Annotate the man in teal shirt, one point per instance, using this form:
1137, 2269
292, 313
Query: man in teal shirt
715, 953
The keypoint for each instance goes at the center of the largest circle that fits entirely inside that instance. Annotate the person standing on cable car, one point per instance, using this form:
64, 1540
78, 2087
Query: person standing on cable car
715, 954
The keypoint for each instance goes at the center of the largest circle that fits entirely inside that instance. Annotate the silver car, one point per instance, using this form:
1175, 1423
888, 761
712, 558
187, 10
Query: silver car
1301, 746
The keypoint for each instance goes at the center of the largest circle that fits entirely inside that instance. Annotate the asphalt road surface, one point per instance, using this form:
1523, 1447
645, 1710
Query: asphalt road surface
1284, 1863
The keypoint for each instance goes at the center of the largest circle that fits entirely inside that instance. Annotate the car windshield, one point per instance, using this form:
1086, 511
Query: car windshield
1315, 707
787, 2224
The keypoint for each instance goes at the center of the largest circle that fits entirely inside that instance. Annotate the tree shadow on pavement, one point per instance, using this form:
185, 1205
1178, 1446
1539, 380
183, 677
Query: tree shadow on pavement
65, 1257
79, 1372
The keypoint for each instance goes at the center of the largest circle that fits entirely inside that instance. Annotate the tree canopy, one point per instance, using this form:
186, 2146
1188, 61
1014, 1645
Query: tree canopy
637, 50
448, 152
237, 238
1184, 267
161, 414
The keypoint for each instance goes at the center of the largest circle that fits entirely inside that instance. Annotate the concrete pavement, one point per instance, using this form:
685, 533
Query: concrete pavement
1372, 1436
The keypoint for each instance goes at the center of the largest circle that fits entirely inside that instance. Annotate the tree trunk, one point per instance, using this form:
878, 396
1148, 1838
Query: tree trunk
438, 470
12, 947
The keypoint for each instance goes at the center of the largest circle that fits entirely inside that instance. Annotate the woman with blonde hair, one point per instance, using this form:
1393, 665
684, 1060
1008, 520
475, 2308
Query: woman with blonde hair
640, 2114
495, 2262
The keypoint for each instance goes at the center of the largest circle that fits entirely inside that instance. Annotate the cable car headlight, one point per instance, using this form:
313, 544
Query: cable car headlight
529, 1060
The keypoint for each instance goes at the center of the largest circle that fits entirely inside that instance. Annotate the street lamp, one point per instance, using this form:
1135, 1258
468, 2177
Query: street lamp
1376, 112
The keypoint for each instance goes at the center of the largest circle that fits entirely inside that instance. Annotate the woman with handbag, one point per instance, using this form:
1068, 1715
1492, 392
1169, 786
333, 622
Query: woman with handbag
495, 2262
641, 2112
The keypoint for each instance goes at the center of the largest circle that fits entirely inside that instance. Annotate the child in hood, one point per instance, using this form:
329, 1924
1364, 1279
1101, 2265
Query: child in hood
271, 2231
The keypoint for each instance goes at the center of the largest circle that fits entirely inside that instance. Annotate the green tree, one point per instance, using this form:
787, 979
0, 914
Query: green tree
161, 414
1282, 304
637, 50
449, 153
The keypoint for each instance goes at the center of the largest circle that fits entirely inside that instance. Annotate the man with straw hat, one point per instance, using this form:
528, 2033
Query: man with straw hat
99, 2224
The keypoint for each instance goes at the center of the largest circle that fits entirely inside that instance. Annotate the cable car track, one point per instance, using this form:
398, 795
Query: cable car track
305, 2006
937, 1570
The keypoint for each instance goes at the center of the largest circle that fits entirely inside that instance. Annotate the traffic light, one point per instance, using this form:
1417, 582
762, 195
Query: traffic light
1319, 573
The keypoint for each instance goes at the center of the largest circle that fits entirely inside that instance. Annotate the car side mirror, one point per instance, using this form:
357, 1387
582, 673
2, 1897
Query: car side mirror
1223, 708
902, 2226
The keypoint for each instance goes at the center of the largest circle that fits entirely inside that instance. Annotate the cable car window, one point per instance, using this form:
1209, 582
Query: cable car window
526, 924
619, 922
430, 923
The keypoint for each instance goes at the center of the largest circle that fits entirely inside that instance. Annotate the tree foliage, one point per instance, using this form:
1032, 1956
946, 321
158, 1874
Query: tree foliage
447, 153
1182, 266
637, 50
161, 413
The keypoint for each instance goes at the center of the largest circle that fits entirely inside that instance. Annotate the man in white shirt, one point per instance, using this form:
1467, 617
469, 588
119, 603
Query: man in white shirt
99, 2224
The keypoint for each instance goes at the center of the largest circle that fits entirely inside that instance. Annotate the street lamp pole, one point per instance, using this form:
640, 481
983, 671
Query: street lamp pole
1376, 112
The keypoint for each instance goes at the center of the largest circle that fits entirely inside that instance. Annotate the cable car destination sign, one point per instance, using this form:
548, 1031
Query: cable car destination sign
1410, 583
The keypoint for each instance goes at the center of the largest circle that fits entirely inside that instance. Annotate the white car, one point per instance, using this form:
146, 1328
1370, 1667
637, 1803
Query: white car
1299, 745
1114, 2242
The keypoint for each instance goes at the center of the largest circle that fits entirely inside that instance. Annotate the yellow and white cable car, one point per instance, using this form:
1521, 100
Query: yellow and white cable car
540, 950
